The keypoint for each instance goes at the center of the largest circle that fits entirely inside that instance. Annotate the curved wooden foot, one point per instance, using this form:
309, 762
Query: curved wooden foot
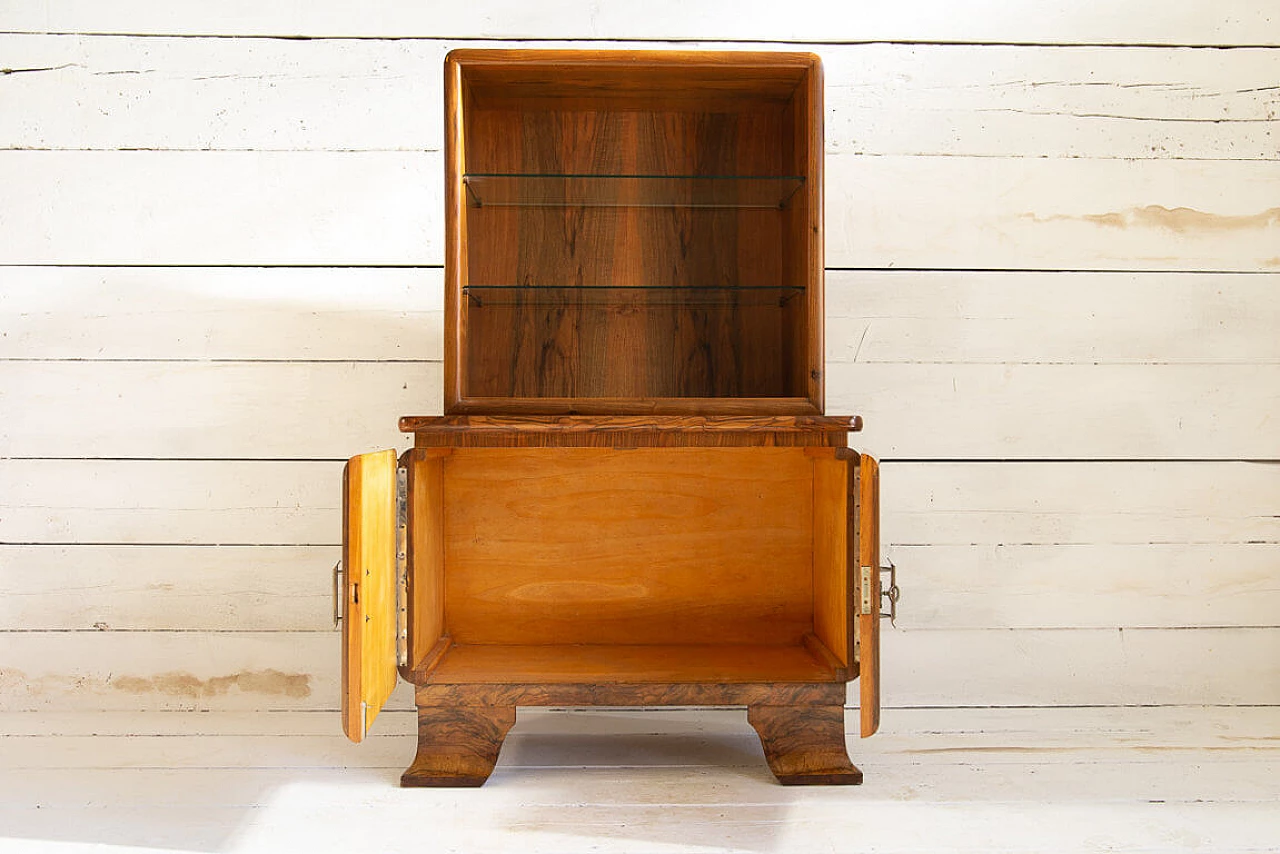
805, 744
458, 745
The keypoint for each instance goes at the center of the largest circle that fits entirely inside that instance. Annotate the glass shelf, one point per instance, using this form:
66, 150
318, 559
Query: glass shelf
627, 191
628, 296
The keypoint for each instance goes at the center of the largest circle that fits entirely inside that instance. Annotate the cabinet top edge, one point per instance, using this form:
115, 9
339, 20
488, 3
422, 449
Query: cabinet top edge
629, 423
589, 57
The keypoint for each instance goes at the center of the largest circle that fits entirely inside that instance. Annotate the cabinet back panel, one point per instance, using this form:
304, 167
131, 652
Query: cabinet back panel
664, 343
703, 545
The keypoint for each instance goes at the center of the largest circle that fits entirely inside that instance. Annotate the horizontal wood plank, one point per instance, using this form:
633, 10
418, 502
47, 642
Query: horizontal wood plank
199, 502
1065, 586
1052, 214
362, 208
291, 670
1063, 412
139, 588
212, 409
1050, 730
261, 588
901, 316
284, 95
891, 316
1033, 504
1058, 22
210, 207
281, 314
194, 502
270, 410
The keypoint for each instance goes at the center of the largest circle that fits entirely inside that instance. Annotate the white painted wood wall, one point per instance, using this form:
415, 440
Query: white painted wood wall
1054, 294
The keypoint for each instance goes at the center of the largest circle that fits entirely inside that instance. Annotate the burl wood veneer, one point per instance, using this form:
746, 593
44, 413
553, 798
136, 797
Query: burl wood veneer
633, 497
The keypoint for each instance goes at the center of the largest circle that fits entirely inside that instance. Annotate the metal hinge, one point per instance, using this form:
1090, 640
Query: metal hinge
402, 566
891, 593
337, 594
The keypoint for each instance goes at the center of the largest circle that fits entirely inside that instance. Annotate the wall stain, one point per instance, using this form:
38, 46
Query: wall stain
1271, 262
1178, 220
181, 684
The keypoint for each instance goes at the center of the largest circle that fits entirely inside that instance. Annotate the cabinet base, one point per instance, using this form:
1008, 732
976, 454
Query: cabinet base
458, 745
804, 745
459, 741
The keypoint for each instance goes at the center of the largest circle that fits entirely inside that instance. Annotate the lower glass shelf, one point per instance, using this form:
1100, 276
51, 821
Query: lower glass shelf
638, 296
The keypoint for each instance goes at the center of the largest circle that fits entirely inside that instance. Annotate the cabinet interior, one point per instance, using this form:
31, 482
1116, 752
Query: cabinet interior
653, 564
635, 236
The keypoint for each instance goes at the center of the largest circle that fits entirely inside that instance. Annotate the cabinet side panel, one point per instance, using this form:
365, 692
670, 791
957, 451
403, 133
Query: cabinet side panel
830, 555
643, 546
426, 553
455, 212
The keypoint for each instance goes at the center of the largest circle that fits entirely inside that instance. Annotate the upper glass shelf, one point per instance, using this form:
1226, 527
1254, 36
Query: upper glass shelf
630, 191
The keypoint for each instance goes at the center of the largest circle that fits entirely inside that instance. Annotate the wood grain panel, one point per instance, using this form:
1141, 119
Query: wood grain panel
615, 431
724, 537
426, 553
628, 663
1057, 22
868, 586
831, 593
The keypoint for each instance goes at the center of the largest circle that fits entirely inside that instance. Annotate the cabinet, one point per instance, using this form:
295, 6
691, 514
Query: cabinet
633, 497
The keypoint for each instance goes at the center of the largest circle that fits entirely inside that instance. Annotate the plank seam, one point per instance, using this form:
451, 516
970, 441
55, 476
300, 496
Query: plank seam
596, 41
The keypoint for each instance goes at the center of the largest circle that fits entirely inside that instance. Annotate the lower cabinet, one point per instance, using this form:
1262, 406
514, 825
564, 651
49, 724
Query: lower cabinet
584, 562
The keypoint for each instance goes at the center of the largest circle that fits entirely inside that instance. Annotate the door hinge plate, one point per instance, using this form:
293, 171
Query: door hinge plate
402, 566
864, 590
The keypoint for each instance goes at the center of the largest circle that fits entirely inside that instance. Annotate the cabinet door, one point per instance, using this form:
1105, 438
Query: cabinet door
369, 598
869, 593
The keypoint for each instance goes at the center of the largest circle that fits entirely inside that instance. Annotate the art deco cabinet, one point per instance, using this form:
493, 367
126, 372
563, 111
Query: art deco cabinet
633, 498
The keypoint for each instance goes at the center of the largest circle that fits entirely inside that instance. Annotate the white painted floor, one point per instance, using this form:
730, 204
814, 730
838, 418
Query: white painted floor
985, 780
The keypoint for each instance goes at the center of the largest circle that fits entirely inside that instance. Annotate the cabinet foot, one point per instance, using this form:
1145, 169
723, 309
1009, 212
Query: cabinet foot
458, 745
805, 745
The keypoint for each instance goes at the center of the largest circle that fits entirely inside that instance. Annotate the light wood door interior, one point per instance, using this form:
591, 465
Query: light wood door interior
368, 610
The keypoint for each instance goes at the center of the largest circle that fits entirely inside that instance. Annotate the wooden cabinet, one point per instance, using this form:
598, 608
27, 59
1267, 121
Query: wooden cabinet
633, 497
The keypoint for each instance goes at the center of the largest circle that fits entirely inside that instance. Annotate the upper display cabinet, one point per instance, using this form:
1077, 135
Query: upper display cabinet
633, 232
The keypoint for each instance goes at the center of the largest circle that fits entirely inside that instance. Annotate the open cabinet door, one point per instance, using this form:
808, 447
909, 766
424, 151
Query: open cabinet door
369, 597
869, 593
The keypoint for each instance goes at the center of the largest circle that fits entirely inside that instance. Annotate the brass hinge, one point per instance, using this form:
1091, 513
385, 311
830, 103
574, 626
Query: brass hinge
402, 566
